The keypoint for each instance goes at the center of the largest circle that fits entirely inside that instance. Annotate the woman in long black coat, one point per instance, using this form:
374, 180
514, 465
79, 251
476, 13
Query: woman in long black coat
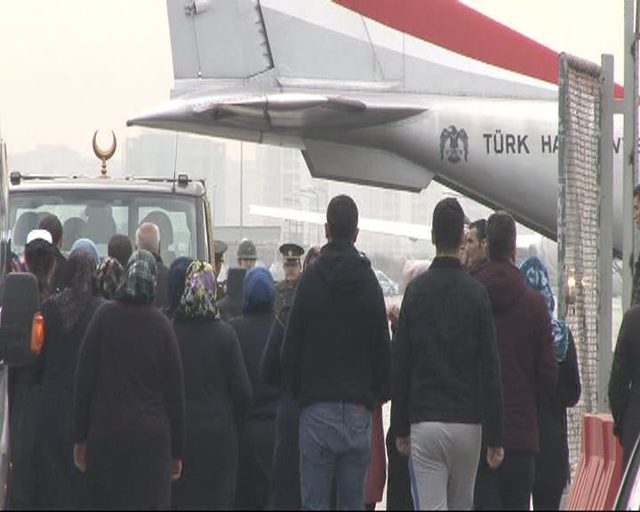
59, 484
552, 463
284, 494
39, 255
258, 434
129, 407
217, 391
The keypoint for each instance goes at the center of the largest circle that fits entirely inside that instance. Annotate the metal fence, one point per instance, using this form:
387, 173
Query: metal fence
578, 226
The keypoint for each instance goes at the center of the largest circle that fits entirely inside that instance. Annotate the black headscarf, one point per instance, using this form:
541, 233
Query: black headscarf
74, 299
177, 277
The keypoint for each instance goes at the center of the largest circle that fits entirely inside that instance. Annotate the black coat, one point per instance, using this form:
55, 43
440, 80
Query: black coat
258, 433
446, 365
552, 463
624, 383
59, 484
336, 347
286, 454
218, 394
129, 406
231, 304
60, 273
162, 284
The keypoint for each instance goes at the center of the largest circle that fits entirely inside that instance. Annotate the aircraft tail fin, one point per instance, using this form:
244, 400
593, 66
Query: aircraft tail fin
222, 39
323, 43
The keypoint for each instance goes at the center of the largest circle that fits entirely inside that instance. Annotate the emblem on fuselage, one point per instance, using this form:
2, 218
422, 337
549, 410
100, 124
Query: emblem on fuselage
454, 144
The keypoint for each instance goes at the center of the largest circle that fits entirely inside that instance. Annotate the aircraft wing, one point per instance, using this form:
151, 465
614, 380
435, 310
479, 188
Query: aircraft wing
289, 113
408, 230
384, 227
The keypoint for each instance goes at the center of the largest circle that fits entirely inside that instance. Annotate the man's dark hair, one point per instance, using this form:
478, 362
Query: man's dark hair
448, 224
481, 229
52, 224
636, 191
501, 236
120, 248
342, 217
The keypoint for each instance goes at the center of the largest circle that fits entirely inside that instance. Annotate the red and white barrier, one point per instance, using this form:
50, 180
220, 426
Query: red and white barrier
599, 472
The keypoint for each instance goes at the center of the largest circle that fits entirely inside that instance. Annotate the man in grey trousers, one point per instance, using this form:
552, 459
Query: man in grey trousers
447, 390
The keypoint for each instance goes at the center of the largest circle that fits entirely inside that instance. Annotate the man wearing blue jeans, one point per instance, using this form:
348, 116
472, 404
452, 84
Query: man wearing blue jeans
336, 362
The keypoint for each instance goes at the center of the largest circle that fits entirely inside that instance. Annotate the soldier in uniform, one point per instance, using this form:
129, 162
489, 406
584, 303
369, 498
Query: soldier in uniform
247, 254
219, 248
286, 289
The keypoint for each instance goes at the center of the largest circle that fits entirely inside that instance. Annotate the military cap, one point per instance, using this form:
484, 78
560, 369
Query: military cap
291, 252
247, 250
219, 247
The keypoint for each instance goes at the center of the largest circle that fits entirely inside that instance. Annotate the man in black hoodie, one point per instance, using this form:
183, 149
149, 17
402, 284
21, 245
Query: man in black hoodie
446, 374
336, 362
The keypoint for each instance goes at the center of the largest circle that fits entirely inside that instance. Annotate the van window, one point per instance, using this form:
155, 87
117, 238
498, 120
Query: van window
89, 214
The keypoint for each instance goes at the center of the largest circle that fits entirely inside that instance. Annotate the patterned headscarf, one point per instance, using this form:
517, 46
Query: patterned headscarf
537, 278
199, 297
74, 299
139, 284
110, 274
84, 244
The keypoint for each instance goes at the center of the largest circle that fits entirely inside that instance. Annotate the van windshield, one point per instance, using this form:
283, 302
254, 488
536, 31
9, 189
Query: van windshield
100, 214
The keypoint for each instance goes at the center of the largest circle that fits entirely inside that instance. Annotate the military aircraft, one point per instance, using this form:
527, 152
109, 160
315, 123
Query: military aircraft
378, 92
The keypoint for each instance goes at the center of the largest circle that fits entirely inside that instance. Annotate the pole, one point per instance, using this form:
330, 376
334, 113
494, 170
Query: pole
241, 190
630, 149
605, 224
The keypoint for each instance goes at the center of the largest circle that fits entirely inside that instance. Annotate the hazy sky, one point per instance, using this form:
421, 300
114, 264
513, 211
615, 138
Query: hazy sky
70, 66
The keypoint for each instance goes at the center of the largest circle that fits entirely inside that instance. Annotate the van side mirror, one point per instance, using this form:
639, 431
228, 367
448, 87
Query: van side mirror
21, 325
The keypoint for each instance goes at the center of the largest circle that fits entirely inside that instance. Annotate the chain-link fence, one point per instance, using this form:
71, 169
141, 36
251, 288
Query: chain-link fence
578, 231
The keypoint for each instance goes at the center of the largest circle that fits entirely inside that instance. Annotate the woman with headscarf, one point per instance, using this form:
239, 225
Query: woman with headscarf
176, 283
258, 434
39, 256
129, 403
286, 456
109, 277
552, 463
66, 317
217, 392
84, 244
40, 260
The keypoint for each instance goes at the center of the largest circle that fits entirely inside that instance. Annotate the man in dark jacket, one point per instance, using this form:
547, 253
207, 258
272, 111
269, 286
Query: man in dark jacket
475, 244
335, 360
529, 368
52, 224
624, 383
635, 291
446, 374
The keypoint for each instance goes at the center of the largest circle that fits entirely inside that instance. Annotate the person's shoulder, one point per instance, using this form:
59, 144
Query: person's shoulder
235, 322
632, 317
534, 301
224, 332
472, 283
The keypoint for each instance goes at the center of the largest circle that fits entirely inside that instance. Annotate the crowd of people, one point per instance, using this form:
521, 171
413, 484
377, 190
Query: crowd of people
157, 388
